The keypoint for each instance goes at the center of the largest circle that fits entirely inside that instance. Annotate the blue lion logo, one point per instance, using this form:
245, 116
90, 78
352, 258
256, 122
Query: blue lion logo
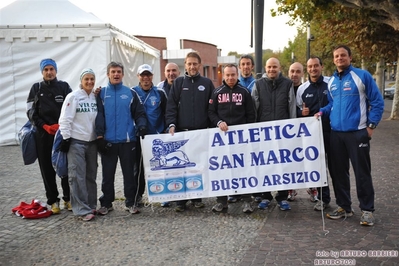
166, 155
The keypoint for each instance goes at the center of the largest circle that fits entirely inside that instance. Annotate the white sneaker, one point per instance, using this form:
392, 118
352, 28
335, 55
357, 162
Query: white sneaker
247, 208
367, 218
320, 205
291, 195
132, 209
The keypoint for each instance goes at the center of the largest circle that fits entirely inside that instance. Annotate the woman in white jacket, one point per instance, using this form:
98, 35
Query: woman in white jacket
77, 126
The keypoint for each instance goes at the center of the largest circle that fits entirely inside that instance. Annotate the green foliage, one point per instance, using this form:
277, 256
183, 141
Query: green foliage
332, 24
234, 53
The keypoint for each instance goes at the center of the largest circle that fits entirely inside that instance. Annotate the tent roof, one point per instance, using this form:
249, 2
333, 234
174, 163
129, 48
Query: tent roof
57, 19
45, 12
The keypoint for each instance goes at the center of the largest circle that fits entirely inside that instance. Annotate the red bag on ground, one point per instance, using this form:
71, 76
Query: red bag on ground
34, 210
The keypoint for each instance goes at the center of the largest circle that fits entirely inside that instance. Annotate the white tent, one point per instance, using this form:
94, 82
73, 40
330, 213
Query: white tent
31, 30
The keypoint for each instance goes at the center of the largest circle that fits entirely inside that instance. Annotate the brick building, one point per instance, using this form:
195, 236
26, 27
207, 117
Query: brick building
210, 55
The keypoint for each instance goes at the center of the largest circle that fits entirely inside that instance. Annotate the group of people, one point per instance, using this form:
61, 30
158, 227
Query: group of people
110, 120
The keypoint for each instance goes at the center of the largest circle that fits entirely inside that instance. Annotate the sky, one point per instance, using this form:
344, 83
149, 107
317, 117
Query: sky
224, 23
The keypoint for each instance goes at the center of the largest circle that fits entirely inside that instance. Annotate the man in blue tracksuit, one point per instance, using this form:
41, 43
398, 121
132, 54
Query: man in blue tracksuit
120, 112
246, 65
355, 108
310, 97
154, 102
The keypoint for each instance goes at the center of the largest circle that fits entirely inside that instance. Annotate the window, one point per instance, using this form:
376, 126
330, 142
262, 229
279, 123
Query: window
215, 73
205, 69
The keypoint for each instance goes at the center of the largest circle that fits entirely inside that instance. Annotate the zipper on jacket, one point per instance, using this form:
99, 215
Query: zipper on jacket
340, 101
230, 104
274, 99
115, 134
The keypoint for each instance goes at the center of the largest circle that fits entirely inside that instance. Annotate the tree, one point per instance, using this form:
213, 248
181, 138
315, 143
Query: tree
355, 26
231, 53
384, 12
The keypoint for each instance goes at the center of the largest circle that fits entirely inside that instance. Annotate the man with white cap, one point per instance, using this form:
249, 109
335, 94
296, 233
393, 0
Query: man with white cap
43, 109
154, 101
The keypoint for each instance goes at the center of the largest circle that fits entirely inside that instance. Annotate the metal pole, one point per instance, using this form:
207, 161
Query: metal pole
252, 24
308, 44
258, 11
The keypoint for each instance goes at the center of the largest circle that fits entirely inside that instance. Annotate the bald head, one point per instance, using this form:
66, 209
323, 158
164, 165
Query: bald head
296, 73
272, 68
172, 71
272, 60
171, 65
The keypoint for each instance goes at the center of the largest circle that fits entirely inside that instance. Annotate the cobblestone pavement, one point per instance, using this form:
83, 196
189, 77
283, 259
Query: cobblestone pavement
300, 236
160, 236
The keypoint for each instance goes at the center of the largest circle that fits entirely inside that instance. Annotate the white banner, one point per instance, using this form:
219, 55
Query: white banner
250, 158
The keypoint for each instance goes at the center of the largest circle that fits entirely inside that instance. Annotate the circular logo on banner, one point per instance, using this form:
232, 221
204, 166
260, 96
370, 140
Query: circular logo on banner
175, 186
157, 188
193, 184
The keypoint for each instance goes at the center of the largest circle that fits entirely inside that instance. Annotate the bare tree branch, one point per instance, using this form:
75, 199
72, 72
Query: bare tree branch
386, 11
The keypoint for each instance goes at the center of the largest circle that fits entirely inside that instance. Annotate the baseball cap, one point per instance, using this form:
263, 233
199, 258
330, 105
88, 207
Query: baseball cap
143, 68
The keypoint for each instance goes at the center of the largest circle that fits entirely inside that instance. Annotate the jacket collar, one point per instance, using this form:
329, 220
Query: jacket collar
235, 85
197, 76
116, 86
319, 80
344, 72
50, 82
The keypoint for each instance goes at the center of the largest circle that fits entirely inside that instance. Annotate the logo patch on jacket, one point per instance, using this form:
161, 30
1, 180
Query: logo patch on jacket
59, 98
225, 98
201, 88
347, 86
153, 100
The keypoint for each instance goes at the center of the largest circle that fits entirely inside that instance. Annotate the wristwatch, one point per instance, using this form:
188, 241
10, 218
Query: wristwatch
372, 126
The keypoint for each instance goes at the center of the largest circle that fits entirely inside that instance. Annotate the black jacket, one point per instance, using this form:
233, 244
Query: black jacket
314, 95
231, 105
187, 106
274, 99
47, 98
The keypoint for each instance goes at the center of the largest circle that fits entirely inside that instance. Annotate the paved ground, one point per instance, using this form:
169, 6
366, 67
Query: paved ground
159, 236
